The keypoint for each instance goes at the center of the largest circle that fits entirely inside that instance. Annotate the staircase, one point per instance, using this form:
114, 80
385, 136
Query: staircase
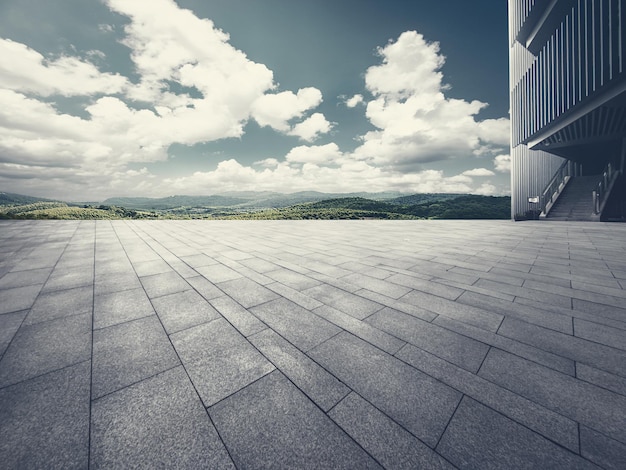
575, 202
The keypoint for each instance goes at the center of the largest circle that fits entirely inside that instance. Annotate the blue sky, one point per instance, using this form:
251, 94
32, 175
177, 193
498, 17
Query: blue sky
104, 98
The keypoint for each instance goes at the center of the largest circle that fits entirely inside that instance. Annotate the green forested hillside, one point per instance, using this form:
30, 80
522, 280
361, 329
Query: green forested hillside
60, 210
429, 206
461, 207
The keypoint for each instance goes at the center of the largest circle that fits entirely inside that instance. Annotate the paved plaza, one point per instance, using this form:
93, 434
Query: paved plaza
312, 344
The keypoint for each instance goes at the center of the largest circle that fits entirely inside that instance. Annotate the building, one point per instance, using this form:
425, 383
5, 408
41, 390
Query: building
568, 108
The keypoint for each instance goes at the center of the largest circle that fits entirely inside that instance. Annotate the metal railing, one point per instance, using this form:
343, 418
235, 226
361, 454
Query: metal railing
554, 188
603, 189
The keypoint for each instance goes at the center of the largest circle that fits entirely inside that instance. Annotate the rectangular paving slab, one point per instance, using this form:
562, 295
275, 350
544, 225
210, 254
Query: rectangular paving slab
299, 326
219, 360
44, 421
272, 424
418, 402
157, 423
479, 437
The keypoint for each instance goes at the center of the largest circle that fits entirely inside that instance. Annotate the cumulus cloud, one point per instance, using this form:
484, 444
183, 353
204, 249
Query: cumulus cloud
502, 163
276, 110
348, 175
328, 153
312, 128
25, 70
190, 86
354, 101
485, 189
415, 122
478, 172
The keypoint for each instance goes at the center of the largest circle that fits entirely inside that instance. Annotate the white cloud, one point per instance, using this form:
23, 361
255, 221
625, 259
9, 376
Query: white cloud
312, 127
478, 172
485, 189
25, 70
349, 175
328, 153
276, 110
415, 122
502, 163
193, 86
354, 101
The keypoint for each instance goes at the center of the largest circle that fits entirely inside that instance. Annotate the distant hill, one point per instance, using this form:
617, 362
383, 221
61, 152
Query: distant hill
19, 199
266, 205
423, 198
459, 207
173, 202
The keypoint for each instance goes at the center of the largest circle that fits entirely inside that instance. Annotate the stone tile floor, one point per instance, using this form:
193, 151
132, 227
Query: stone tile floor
312, 344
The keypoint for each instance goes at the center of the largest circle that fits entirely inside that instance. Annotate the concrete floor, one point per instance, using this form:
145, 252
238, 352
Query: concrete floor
312, 344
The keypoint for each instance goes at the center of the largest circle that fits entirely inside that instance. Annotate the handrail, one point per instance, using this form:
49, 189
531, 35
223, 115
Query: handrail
602, 191
555, 186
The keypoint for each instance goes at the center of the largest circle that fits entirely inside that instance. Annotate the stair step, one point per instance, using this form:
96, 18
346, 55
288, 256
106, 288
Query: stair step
575, 202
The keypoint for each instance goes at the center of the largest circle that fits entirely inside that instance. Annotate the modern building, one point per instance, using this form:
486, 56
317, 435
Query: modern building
568, 109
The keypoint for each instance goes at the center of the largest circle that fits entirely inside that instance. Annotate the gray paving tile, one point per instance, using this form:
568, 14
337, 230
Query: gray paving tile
602, 450
247, 292
353, 305
478, 437
447, 292
458, 349
151, 267
598, 333
45, 347
271, 424
548, 423
24, 278
18, 298
164, 284
370, 271
206, 289
183, 310
219, 360
58, 304
197, 260
554, 361
411, 309
382, 438
332, 281
601, 378
529, 291
68, 278
363, 330
320, 386
599, 310
376, 285
241, 318
218, 273
571, 347
156, 423
295, 296
44, 421
119, 307
299, 326
129, 352
292, 279
116, 282
416, 401
593, 406
9, 324
259, 265
527, 313
480, 318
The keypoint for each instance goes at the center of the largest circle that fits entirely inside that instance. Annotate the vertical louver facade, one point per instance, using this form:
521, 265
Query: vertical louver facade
568, 89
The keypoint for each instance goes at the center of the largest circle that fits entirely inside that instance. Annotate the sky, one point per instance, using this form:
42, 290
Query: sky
102, 98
